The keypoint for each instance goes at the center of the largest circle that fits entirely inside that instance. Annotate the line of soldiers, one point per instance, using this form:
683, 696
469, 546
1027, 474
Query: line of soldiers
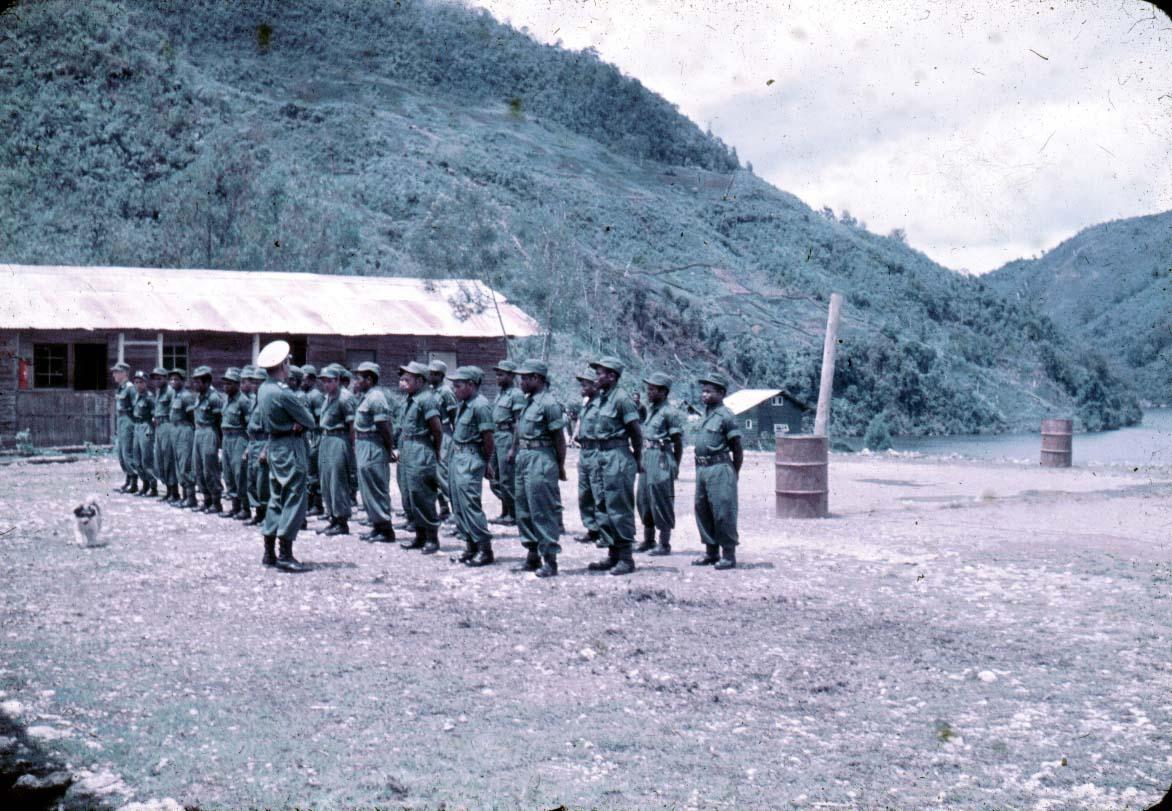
287, 450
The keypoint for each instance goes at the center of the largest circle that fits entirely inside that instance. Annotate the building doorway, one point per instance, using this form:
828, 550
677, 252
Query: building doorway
91, 367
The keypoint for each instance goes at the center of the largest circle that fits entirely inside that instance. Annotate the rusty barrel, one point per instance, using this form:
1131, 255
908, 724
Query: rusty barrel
1057, 443
801, 480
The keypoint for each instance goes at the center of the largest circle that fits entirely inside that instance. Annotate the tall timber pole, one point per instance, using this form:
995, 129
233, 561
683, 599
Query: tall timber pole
822, 415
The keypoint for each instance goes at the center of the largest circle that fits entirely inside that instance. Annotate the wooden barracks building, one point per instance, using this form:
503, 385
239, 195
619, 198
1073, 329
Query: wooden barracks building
62, 328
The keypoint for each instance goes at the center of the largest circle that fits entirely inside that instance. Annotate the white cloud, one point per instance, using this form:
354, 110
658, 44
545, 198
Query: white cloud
986, 131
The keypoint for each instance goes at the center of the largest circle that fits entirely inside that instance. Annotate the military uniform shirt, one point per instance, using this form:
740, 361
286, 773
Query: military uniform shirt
315, 399
183, 406
144, 406
663, 423
616, 410
716, 429
587, 429
418, 411
542, 416
209, 406
124, 399
255, 418
374, 409
281, 408
446, 403
163, 403
507, 407
237, 411
337, 412
473, 417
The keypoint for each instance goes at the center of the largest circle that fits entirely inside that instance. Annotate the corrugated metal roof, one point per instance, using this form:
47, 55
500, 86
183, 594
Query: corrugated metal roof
97, 298
742, 400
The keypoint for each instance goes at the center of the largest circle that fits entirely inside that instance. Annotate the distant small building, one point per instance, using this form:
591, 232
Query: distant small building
61, 328
767, 413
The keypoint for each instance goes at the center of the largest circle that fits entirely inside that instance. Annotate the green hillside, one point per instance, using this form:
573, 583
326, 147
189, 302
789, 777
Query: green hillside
424, 139
1109, 286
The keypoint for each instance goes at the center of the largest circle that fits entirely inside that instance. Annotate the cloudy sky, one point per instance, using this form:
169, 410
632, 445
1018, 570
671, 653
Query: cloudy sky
988, 131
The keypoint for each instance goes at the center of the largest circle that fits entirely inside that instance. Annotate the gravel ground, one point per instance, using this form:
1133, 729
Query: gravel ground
957, 635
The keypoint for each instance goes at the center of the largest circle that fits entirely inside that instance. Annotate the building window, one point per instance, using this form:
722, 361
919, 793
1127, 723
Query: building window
298, 345
777, 401
49, 365
448, 358
91, 371
780, 428
748, 424
175, 357
357, 356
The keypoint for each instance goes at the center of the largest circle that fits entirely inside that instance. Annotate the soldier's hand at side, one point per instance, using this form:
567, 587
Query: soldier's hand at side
639, 467
511, 458
393, 456
562, 475
264, 456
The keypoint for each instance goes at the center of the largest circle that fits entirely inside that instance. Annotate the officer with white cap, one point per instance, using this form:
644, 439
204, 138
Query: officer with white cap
284, 417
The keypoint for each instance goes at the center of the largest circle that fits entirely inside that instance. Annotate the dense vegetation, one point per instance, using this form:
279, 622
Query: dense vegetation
426, 139
1109, 286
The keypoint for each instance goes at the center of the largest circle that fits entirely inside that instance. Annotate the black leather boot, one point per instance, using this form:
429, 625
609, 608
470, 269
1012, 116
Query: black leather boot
285, 560
664, 545
484, 555
418, 543
342, 527
190, 501
375, 534
625, 563
711, 556
590, 536
648, 539
612, 558
532, 561
468, 553
270, 556
125, 485
133, 485
315, 505
326, 528
549, 566
728, 558
154, 489
259, 518
217, 507
432, 541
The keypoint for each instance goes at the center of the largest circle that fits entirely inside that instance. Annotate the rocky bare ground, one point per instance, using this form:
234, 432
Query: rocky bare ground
958, 635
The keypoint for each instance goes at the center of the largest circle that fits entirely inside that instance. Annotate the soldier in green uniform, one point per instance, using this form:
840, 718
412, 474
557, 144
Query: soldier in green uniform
233, 425
507, 407
437, 372
141, 414
313, 399
345, 379
588, 447
162, 429
209, 410
285, 418
423, 438
398, 407
258, 440
183, 437
244, 484
123, 426
539, 452
719, 456
375, 447
617, 460
663, 448
335, 421
472, 446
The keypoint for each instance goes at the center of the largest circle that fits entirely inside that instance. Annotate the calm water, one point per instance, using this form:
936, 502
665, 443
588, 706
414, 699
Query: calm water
1146, 444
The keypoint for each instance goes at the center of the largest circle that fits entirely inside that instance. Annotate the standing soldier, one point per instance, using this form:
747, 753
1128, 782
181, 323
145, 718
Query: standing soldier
472, 447
141, 415
539, 452
375, 449
507, 407
160, 420
284, 417
237, 409
344, 382
209, 410
123, 426
183, 437
400, 409
335, 421
258, 440
244, 485
588, 448
423, 437
313, 399
616, 462
663, 441
719, 456
437, 370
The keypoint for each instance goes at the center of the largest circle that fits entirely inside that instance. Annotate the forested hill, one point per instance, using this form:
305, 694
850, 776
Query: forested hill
1109, 286
426, 139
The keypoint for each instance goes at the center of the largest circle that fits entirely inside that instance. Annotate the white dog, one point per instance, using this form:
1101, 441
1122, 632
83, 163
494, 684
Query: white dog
88, 516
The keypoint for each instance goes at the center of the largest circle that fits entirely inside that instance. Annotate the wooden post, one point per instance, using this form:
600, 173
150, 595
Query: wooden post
255, 346
121, 347
159, 353
822, 415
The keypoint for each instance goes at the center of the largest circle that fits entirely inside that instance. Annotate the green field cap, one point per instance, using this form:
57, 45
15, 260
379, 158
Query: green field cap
608, 362
533, 366
658, 379
473, 374
716, 379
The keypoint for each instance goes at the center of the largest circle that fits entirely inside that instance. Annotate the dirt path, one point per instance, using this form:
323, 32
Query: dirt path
958, 635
